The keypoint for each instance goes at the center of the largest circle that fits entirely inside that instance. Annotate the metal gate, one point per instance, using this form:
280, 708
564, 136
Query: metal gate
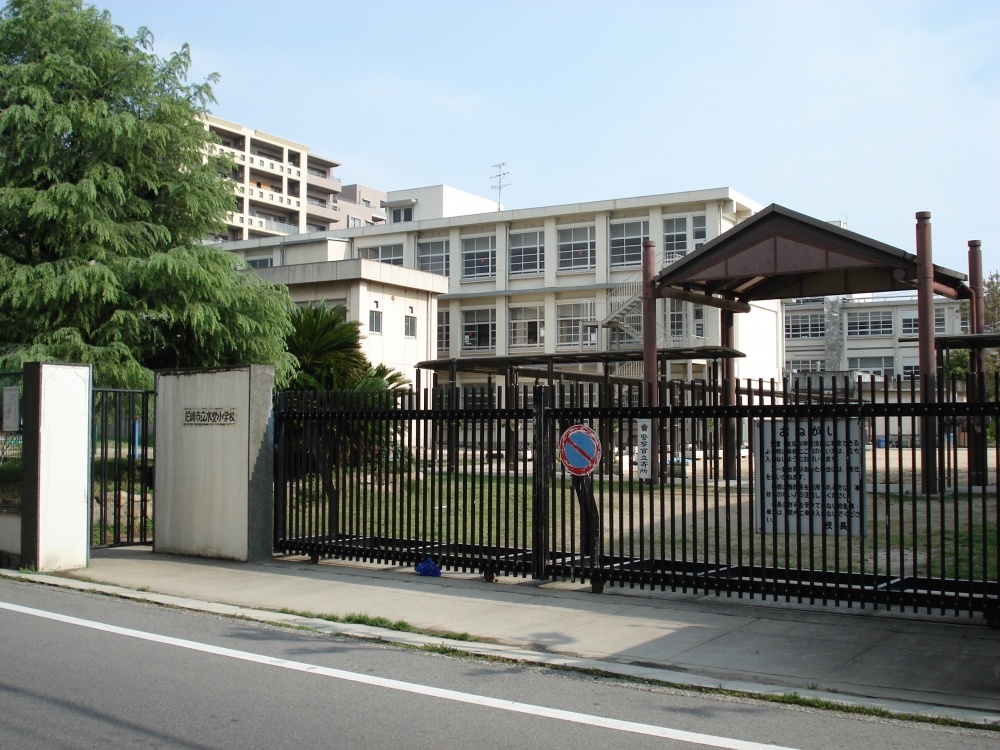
10, 451
122, 467
817, 495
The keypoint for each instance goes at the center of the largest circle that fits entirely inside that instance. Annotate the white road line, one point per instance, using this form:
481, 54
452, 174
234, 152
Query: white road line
406, 687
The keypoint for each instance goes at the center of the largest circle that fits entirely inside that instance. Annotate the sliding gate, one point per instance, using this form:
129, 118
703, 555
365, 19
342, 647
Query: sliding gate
809, 496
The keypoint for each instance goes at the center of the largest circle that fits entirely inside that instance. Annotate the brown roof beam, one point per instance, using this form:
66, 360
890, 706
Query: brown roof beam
704, 299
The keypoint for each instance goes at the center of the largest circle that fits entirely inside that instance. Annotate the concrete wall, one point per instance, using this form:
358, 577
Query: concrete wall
760, 336
55, 520
214, 463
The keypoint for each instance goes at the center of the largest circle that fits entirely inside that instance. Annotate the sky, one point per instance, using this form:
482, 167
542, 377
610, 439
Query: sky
864, 112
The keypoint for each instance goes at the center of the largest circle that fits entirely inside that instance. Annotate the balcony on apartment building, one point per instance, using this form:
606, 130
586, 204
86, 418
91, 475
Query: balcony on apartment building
321, 176
270, 194
321, 209
274, 165
262, 223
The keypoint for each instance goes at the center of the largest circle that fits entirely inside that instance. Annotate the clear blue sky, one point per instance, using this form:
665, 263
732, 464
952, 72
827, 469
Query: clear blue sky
864, 111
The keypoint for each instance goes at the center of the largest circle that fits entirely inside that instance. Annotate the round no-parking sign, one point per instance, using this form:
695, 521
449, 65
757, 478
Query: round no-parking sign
579, 450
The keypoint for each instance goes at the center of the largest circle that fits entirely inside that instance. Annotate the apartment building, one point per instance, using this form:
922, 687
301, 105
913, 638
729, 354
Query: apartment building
862, 334
281, 188
539, 280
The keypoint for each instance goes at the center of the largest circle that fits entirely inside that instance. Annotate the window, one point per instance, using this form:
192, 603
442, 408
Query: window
527, 253
391, 254
805, 326
911, 367
911, 322
873, 365
699, 320
479, 329
570, 319
375, 321
267, 262
677, 318
626, 243
410, 326
869, 323
479, 257
433, 257
443, 331
699, 231
805, 365
674, 238
353, 221
577, 248
964, 321
402, 214
527, 327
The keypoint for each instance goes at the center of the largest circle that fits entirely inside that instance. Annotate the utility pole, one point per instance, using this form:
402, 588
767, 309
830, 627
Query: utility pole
500, 183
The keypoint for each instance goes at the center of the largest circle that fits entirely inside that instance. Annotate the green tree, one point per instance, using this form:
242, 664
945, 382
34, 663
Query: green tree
327, 346
991, 316
328, 349
107, 189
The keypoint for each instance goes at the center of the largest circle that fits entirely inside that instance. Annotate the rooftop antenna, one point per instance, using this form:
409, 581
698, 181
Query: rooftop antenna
500, 183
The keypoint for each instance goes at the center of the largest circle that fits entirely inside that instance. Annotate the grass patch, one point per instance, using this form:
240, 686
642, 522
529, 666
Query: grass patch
402, 626
399, 626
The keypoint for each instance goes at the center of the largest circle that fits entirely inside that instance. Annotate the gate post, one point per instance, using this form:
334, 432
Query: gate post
215, 463
56, 456
540, 472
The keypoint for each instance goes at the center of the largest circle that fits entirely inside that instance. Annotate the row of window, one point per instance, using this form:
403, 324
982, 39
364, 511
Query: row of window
864, 323
576, 326
884, 366
576, 249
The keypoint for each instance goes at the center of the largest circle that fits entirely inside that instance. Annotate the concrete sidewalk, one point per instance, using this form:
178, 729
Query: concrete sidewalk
903, 663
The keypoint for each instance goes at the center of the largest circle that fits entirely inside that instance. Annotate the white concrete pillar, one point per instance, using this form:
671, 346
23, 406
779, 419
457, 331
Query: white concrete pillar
57, 413
602, 247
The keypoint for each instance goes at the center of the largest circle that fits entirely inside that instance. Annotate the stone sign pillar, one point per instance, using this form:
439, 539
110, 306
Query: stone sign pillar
214, 461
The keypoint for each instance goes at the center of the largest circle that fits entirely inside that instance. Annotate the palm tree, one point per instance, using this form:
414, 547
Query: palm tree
328, 348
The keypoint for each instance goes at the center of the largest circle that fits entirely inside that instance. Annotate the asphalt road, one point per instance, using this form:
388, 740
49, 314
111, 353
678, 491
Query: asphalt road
81, 670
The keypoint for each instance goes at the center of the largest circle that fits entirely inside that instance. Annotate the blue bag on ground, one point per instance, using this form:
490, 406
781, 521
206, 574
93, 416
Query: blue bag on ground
427, 568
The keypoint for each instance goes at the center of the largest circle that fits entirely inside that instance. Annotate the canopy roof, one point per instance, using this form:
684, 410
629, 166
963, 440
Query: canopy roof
781, 254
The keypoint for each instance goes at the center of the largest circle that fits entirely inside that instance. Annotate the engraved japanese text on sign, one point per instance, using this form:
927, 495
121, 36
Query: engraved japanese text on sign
209, 415
810, 476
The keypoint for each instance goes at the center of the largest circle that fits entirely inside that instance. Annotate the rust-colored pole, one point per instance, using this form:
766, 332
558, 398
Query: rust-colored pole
977, 315
977, 364
649, 369
730, 449
928, 365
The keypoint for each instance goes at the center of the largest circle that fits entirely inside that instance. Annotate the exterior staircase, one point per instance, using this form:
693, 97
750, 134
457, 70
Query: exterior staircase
622, 314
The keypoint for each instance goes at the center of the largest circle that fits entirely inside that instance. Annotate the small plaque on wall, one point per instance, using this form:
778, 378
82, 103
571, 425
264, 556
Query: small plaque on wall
212, 416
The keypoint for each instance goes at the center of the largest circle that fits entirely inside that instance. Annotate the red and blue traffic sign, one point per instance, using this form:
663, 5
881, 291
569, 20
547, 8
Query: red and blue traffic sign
580, 450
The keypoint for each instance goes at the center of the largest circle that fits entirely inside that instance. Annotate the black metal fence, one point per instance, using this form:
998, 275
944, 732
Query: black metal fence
845, 492
10, 444
122, 467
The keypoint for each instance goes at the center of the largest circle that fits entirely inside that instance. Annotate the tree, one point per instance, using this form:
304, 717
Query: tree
991, 302
107, 189
327, 346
